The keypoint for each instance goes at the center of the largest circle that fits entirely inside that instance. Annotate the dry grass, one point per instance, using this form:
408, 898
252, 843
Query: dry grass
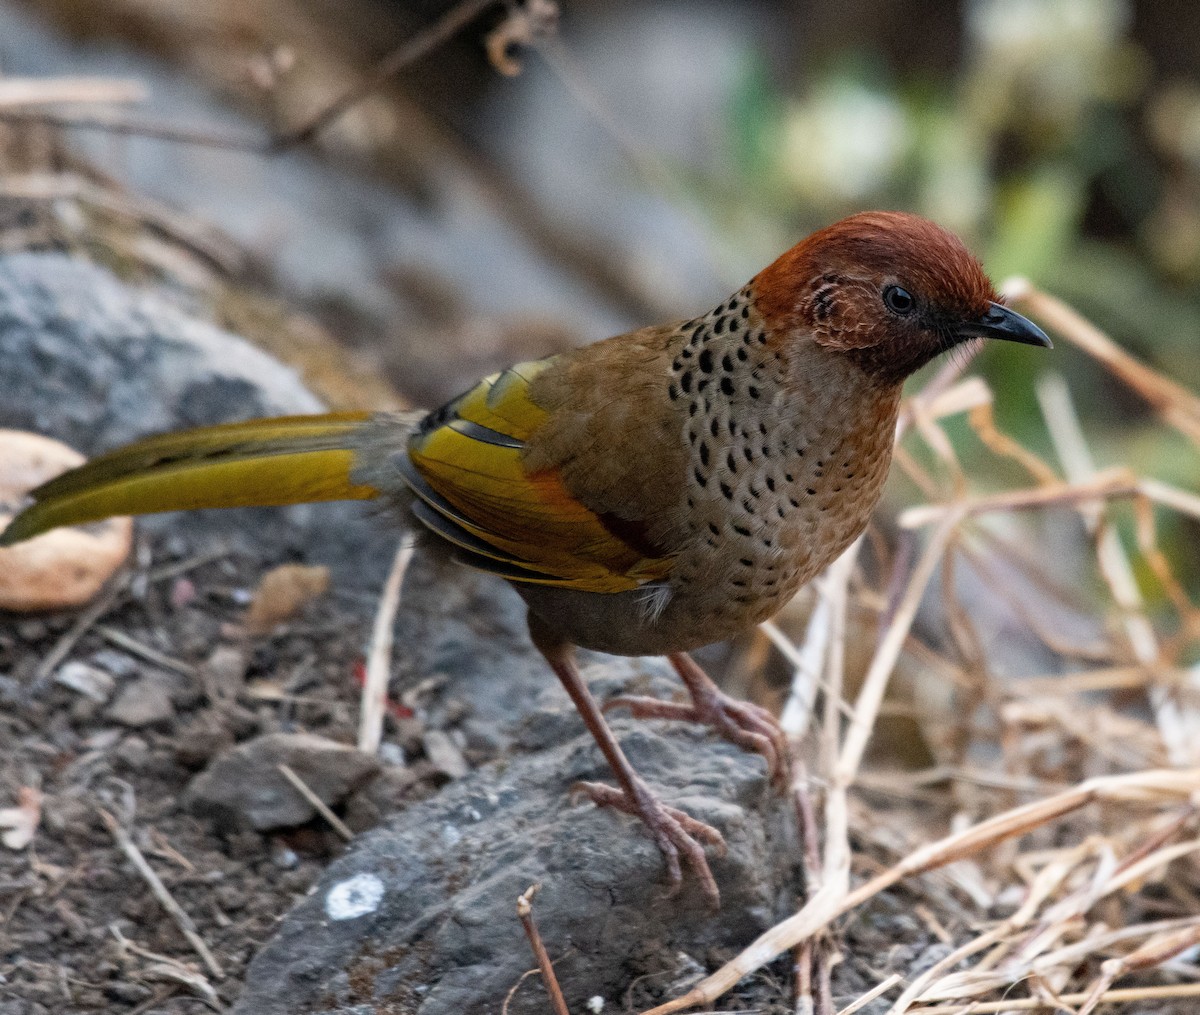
1070, 863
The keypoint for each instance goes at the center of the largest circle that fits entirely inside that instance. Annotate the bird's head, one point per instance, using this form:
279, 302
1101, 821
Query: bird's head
888, 290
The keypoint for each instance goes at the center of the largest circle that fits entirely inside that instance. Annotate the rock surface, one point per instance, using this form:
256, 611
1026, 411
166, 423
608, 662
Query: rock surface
96, 363
419, 916
244, 787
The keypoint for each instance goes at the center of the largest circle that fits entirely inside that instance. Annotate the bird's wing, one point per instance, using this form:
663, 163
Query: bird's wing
465, 465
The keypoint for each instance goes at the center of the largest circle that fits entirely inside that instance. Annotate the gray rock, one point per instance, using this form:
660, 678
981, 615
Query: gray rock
144, 702
420, 917
97, 363
244, 787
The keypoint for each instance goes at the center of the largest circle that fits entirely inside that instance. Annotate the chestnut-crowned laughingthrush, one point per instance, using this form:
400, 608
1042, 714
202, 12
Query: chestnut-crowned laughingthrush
647, 494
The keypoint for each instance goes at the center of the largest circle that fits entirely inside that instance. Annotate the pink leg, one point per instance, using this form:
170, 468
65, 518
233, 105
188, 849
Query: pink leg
749, 726
674, 832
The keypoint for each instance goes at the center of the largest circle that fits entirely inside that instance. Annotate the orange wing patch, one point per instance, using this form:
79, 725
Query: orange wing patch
465, 464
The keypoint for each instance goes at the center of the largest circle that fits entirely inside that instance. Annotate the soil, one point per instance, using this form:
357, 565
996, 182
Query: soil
81, 930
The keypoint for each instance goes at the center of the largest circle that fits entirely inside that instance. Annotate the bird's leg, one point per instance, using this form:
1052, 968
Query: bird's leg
748, 725
675, 832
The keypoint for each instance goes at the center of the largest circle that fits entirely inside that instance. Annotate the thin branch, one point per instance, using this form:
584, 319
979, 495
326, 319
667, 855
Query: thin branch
379, 657
184, 922
402, 56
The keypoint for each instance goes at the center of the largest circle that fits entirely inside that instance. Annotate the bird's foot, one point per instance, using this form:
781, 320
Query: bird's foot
675, 832
749, 726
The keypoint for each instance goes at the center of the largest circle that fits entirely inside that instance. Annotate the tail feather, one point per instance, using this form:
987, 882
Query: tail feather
260, 463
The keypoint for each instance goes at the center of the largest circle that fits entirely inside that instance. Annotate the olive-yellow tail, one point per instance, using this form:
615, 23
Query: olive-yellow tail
259, 463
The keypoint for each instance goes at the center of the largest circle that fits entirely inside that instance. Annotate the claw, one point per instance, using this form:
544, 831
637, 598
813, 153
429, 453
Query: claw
676, 833
743, 723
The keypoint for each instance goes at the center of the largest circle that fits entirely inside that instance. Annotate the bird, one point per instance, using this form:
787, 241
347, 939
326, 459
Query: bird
645, 495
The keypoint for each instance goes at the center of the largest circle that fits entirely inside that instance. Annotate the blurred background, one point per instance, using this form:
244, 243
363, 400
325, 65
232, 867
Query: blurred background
505, 196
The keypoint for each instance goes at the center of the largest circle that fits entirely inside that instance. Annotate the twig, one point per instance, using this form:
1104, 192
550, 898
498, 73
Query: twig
151, 655
184, 922
545, 966
878, 990
379, 657
83, 623
16, 93
1015, 1004
1177, 723
116, 122
409, 52
319, 805
826, 905
1177, 406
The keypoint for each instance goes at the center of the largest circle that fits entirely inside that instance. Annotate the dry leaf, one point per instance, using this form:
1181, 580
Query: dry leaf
283, 592
21, 821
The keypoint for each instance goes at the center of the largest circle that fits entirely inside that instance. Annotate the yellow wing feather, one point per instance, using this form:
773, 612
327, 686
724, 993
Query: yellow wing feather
470, 453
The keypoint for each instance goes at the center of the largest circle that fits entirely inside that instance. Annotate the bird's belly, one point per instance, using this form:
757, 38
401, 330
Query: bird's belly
713, 593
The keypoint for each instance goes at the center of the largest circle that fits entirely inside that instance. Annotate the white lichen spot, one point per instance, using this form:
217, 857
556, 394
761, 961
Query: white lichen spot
451, 836
354, 897
595, 1004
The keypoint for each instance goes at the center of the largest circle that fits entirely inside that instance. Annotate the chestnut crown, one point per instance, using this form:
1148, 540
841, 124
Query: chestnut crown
890, 291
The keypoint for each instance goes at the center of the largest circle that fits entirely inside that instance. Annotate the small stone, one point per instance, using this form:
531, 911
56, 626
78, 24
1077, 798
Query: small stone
245, 787
117, 663
90, 681
145, 702
444, 755
223, 673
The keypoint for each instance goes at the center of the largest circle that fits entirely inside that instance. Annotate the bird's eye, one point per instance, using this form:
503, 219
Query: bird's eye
899, 300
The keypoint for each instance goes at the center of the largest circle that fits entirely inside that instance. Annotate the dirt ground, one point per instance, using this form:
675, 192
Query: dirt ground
81, 931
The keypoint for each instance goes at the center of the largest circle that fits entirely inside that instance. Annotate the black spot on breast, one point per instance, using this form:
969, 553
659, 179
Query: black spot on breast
685, 352
734, 323
703, 452
789, 477
691, 437
685, 380
700, 477
795, 503
712, 527
748, 505
705, 362
714, 426
771, 483
738, 582
727, 363
741, 530
746, 562
745, 312
742, 354
719, 326
703, 383
748, 452
673, 392
811, 492
726, 386
692, 409
726, 490
731, 462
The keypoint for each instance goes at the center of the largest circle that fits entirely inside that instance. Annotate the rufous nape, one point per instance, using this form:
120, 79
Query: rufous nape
646, 495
